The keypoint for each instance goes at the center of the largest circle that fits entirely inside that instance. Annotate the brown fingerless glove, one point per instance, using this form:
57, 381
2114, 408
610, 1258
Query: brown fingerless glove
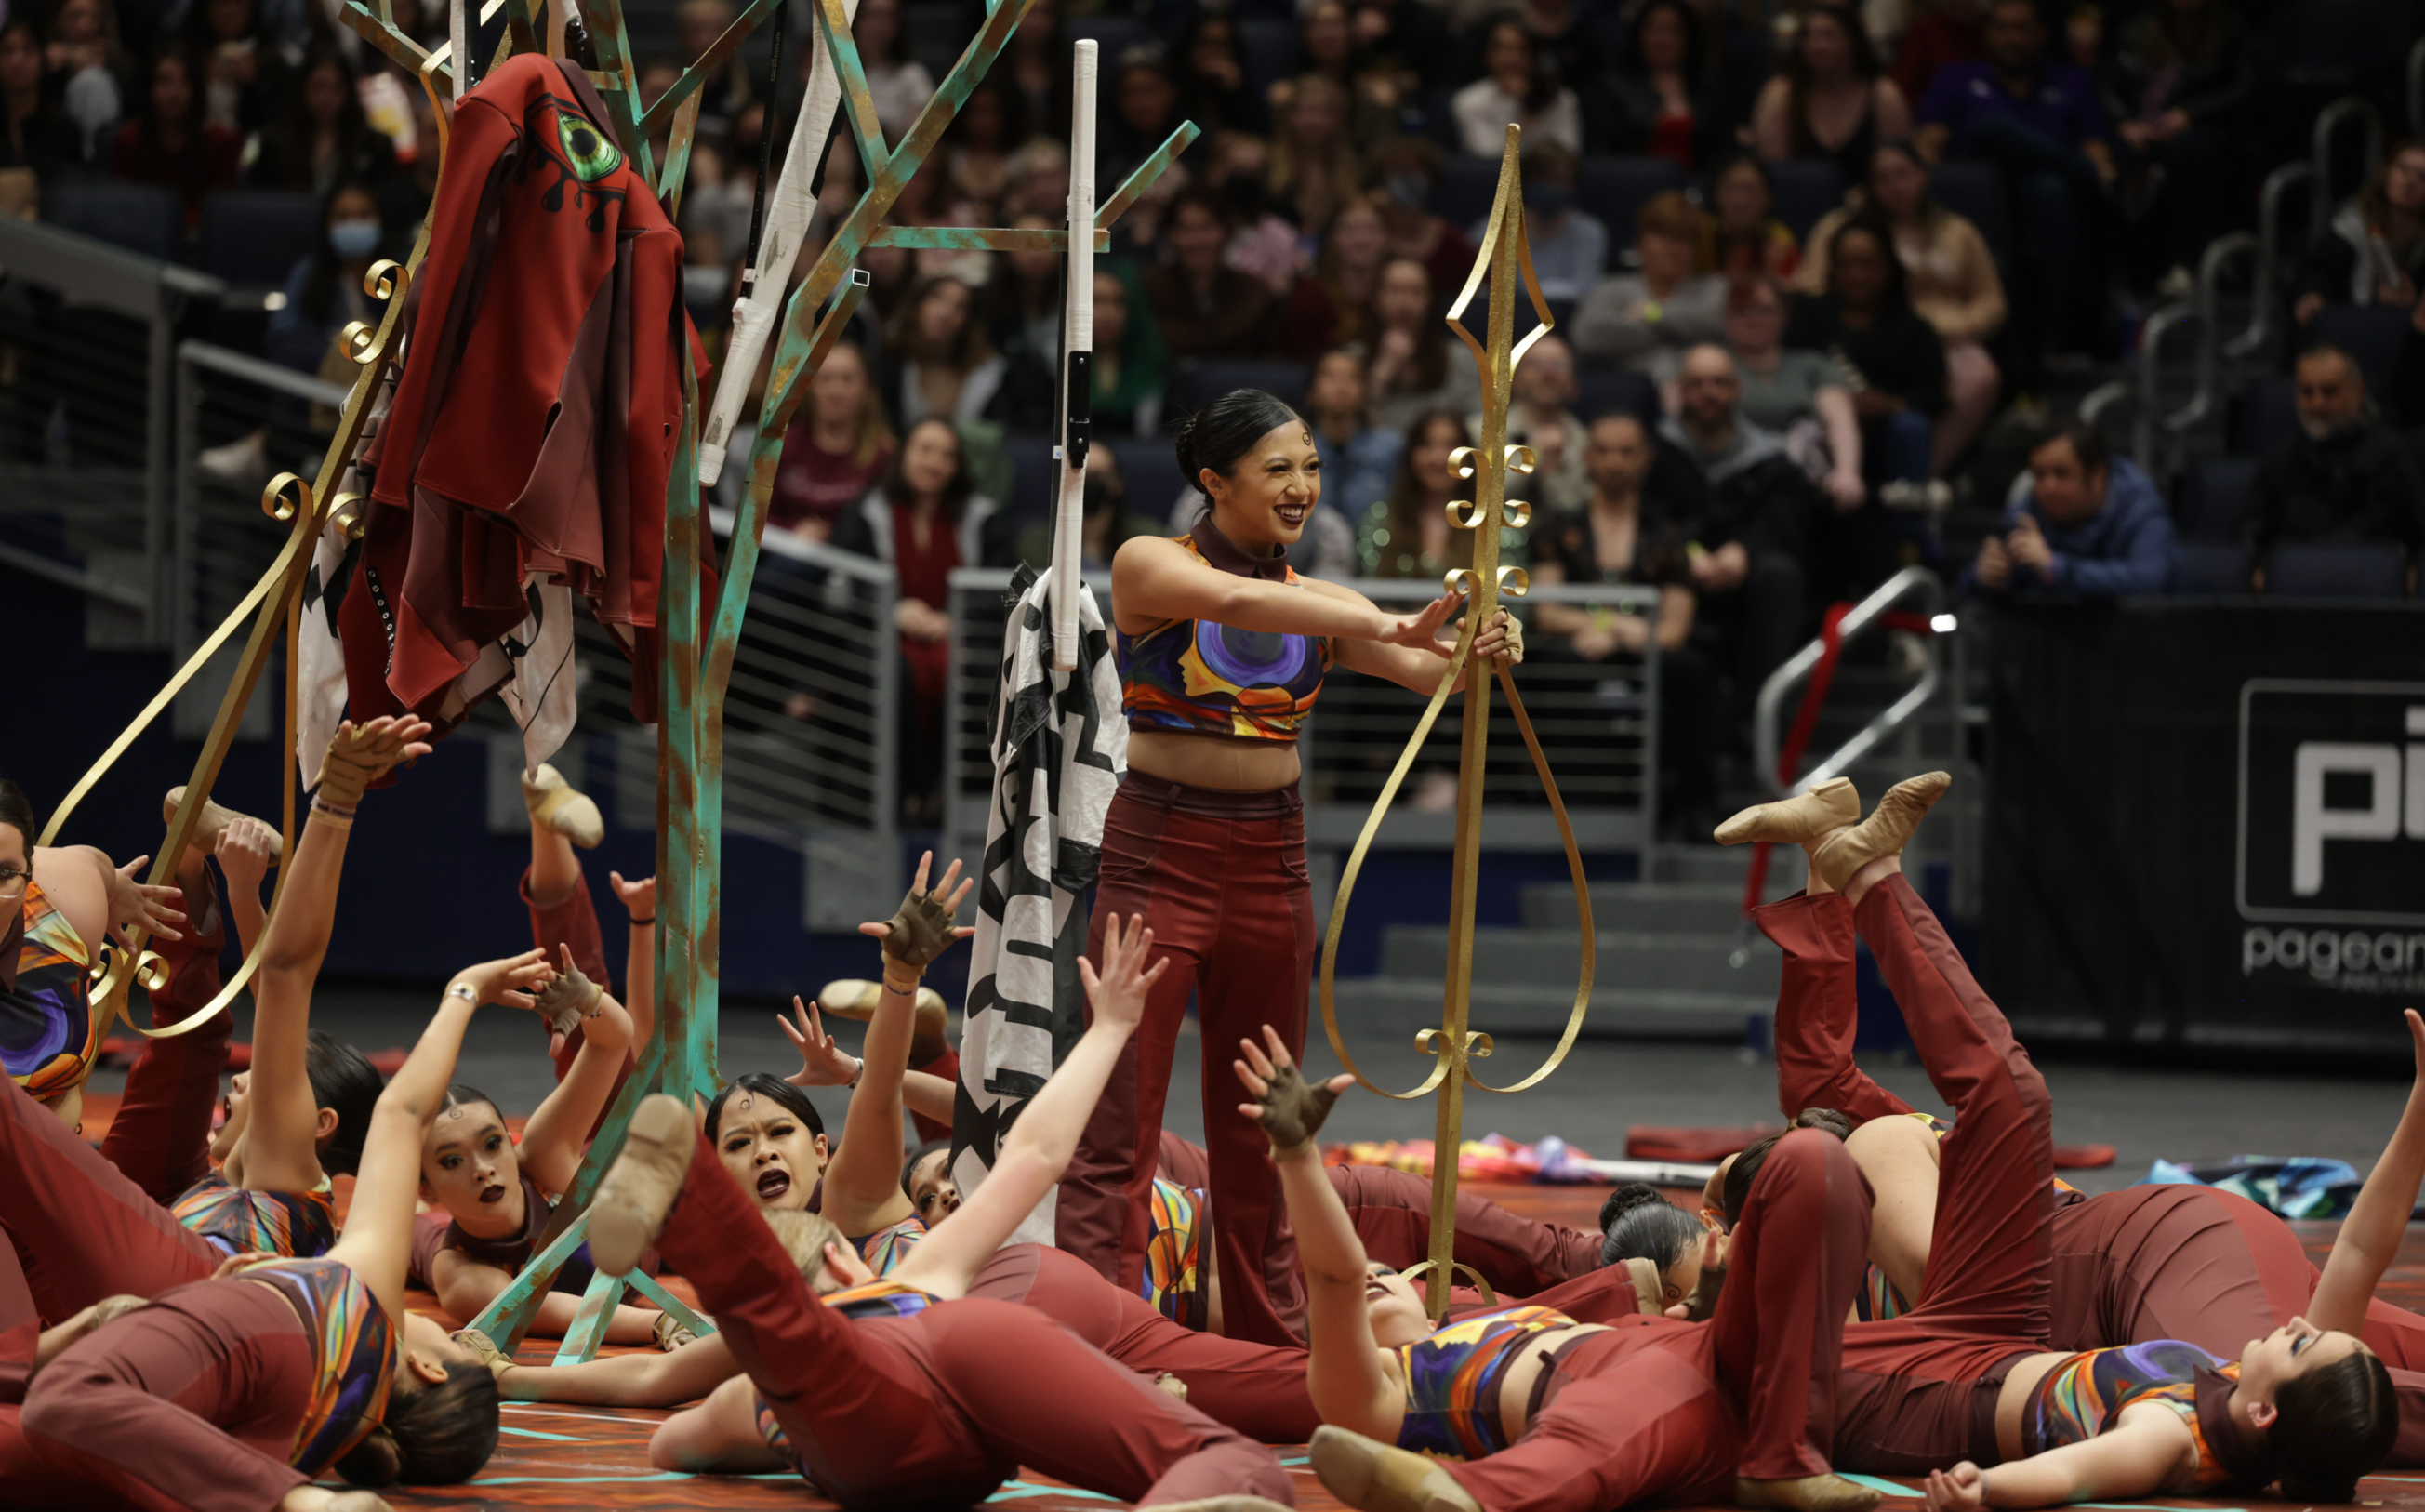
1293, 1109
921, 930
567, 1000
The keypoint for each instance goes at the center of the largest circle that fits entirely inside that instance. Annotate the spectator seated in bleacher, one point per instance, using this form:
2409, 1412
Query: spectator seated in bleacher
1793, 391
2090, 524
320, 134
83, 63
2373, 253
1831, 101
324, 293
1126, 374
1750, 531
1662, 99
839, 444
1644, 321
1519, 84
2177, 80
1328, 44
1416, 368
2345, 478
1106, 525
1540, 414
1214, 90
1332, 305
1890, 358
1312, 170
1944, 31
1139, 112
246, 77
1404, 168
2039, 121
1359, 459
1745, 237
935, 358
1569, 247
1205, 307
171, 144
1408, 534
37, 140
1954, 287
900, 86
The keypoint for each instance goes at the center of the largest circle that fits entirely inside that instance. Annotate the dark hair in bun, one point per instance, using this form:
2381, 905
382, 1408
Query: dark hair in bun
1747, 1165
1636, 1222
1226, 430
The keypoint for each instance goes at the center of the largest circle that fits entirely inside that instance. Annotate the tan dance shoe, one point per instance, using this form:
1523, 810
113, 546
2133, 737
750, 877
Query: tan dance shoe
484, 1350
1885, 832
854, 998
214, 819
638, 1190
1797, 820
557, 805
1806, 1493
1378, 1477
357, 1501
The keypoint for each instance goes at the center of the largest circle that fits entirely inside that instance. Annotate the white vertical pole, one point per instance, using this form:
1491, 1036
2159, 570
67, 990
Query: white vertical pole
1077, 350
460, 37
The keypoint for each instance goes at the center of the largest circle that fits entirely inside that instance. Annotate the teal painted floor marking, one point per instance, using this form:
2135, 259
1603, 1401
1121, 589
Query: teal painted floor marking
2140, 1506
1889, 1488
534, 1433
1297, 1459
653, 1478
1022, 1490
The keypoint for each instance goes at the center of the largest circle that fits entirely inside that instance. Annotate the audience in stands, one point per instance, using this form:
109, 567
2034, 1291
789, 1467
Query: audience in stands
1662, 98
1213, 88
2175, 83
1891, 359
1944, 31
1954, 283
935, 358
838, 445
170, 144
1313, 169
324, 293
1332, 305
1520, 84
1569, 247
900, 86
1359, 459
1540, 414
1796, 393
85, 64
1406, 534
1205, 307
37, 140
1416, 366
977, 149
1138, 111
1644, 320
2373, 252
320, 134
2038, 119
1406, 52
245, 80
1831, 102
1105, 524
1745, 237
1404, 169
2089, 524
2345, 478
1129, 366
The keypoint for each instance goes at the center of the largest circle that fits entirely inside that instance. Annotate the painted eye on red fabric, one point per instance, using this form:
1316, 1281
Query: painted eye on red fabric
590, 154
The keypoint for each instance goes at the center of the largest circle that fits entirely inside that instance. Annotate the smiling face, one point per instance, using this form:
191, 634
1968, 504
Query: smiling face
16, 872
469, 1166
929, 458
932, 1191
769, 1151
1270, 490
839, 391
1396, 1310
1357, 237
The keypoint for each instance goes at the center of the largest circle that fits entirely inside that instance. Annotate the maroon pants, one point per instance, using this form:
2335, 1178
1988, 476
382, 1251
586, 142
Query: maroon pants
187, 1405
1259, 1389
161, 1138
943, 1406
1919, 1391
1667, 1412
1220, 878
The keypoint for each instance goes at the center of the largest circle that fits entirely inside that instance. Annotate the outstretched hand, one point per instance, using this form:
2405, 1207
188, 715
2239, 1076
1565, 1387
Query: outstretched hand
1118, 992
1290, 1108
138, 905
823, 1063
567, 998
511, 981
639, 898
248, 849
1422, 629
360, 755
921, 928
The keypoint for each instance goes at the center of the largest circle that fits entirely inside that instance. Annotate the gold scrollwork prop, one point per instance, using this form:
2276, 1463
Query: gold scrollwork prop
1506, 259
1423, 1267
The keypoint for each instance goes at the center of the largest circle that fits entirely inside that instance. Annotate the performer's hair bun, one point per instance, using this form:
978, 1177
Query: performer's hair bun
1625, 1199
1226, 430
1827, 1119
1636, 1222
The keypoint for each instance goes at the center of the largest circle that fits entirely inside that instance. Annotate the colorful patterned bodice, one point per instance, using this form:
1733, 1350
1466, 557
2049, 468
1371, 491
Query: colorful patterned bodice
1453, 1380
886, 1248
48, 1036
1200, 678
353, 1355
1174, 1249
2085, 1394
298, 1225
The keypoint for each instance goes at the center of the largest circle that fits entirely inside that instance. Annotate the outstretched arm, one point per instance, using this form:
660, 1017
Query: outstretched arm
1343, 1373
640, 962
2145, 1453
2371, 1235
377, 1241
280, 1152
863, 1182
553, 1141
465, 1287
1045, 1136
823, 1063
649, 1379
1414, 661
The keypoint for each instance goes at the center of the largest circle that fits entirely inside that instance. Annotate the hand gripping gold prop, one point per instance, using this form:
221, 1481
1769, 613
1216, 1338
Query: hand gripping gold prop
1503, 260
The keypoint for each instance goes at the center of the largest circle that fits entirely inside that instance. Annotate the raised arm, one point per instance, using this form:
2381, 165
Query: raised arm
247, 849
1344, 1373
823, 1063
2371, 1235
553, 1141
280, 1150
377, 1241
1045, 1134
640, 960
863, 1182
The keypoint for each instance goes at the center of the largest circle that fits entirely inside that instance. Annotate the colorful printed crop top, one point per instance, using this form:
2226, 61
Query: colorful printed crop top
2085, 1394
1174, 1249
353, 1365
298, 1225
1453, 1380
48, 1035
1199, 677
886, 1248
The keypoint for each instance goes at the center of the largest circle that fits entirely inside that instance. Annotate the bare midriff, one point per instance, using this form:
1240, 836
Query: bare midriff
2013, 1400
1214, 761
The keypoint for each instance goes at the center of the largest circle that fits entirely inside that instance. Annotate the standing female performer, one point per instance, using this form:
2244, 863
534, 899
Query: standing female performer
1222, 651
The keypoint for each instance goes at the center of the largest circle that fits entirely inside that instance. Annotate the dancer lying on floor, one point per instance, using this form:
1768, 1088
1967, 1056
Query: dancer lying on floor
490, 1195
1968, 1376
905, 1389
118, 1232
49, 929
2148, 1262
769, 1140
1550, 1415
233, 1393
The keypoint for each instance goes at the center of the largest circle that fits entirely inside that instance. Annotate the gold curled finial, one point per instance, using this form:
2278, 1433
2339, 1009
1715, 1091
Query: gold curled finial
1515, 582
274, 502
1517, 513
1521, 459
384, 279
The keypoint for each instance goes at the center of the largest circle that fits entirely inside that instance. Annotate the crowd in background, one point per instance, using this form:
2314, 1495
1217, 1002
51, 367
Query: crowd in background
1749, 421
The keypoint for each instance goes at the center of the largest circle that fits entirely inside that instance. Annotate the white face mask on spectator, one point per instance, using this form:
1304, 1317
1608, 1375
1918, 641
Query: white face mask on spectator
355, 238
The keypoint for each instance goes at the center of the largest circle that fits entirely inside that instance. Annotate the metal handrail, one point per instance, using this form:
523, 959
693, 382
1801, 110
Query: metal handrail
2151, 351
1912, 583
2268, 277
2328, 124
2094, 404
2207, 392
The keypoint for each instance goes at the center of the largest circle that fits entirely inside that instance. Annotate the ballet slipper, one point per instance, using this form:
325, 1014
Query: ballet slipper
214, 819
638, 1190
1171, 1384
854, 998
556, 805
1797, 820
1806, 1493
1649, 1294
355, 1500
671, 1332
484, 1349
1885, 832
1378, 1477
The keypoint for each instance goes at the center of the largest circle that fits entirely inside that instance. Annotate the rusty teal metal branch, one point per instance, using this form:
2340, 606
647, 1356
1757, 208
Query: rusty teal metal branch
1146, 174
715, 57
380, 32
980, 238
669, 185
834, 29
614, 47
